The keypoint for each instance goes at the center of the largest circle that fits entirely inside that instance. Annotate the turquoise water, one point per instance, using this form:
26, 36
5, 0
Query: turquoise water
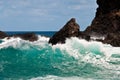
77, 59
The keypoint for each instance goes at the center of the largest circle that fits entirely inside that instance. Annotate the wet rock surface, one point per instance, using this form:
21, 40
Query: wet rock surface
2, 35
27, 36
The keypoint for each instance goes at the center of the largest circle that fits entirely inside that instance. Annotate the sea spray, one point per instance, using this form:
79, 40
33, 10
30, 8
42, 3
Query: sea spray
77, 59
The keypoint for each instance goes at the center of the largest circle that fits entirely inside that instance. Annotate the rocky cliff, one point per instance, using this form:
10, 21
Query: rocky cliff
107, 22
107, 19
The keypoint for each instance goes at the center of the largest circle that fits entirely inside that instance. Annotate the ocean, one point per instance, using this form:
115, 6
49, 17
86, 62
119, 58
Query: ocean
77, 59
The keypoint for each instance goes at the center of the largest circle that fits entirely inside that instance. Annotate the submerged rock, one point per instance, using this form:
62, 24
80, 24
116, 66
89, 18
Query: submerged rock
70, 29
27, 36
3, 35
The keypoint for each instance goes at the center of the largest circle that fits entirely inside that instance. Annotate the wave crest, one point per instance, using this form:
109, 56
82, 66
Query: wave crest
77, 57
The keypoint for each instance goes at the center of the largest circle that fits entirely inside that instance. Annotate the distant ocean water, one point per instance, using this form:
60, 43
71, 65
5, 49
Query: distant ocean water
44, 33
77, 59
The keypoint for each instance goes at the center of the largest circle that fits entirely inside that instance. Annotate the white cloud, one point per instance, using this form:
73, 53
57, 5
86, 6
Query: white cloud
82, 5
42, 7
75, 7
37, 12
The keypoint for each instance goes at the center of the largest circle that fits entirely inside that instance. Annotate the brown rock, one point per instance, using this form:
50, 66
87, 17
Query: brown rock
27, 36
107, 18
71, 29
2, 35
106, 22
84, 36
113, 39
106, 6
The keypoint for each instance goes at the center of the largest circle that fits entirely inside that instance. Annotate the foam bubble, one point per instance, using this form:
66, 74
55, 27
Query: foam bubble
19, 43
50, 77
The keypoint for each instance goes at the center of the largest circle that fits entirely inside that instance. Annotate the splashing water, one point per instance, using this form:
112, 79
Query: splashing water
77, 59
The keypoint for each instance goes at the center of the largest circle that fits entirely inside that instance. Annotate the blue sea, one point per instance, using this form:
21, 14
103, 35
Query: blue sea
77, 59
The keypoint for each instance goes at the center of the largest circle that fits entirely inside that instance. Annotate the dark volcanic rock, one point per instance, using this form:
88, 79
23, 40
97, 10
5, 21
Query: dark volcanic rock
106, 22
27, 36
106, 6
113, 39
84, 36
71, 29
107, 18
2, 35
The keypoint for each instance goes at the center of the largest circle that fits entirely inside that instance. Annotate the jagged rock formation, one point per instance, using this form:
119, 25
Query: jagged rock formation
71, 29
107, 18
2, 35
106, 23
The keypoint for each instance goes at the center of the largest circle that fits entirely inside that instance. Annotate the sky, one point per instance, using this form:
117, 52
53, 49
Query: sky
44, 15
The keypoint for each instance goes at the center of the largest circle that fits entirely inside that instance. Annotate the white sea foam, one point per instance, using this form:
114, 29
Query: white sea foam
19, 43
95, 37
50, 77
93, 52
10, 42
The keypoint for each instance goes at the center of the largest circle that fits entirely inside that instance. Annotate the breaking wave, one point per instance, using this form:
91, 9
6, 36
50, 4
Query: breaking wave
77, 59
